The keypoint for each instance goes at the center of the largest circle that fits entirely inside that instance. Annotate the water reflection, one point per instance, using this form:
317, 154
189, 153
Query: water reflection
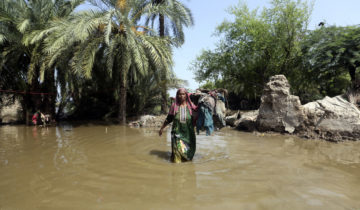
69, 152
165, 155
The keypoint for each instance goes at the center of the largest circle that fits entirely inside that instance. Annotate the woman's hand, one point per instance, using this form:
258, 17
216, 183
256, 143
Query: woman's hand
162, 128
161, 131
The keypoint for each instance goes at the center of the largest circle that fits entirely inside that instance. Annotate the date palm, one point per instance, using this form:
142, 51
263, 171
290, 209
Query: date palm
171, 17
115, 25
21, 52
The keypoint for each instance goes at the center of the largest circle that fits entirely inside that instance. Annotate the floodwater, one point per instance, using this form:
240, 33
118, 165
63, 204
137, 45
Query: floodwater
114, 167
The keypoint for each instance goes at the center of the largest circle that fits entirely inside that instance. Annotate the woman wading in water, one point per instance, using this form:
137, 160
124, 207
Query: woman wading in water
183, 140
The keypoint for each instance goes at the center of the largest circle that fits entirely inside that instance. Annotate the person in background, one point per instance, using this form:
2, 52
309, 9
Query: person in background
40, 119
36, 118
206, 108
183, 139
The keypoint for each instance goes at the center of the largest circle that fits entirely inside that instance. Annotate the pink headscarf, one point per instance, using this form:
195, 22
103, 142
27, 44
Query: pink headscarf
175, 106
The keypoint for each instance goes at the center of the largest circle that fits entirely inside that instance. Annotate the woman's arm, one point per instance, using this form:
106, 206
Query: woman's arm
167, 121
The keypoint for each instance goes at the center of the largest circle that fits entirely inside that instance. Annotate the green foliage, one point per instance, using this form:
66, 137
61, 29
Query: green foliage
276, 41
331, 57
210, 85
171, 14
22, 57
96, 55
21, 22
175, 14
129, 48
256, 45
145, 92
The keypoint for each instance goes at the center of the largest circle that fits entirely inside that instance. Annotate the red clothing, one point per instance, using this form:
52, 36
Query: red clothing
34, 118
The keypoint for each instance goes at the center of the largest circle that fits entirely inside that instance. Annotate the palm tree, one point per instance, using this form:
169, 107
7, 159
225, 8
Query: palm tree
129, 46
20, 23
146, 91
172, 17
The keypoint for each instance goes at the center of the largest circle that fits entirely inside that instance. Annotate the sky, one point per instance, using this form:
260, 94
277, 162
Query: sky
208, 14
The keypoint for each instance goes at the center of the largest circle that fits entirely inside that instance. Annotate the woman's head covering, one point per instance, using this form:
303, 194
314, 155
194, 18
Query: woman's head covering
175, 106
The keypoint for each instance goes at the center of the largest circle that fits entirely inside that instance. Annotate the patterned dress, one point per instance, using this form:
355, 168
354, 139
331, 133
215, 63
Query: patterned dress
183, 140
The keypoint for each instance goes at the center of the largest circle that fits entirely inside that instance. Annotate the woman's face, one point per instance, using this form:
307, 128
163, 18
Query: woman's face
181, 96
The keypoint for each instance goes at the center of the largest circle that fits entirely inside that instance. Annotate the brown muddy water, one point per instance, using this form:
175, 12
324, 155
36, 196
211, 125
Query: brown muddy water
115, 167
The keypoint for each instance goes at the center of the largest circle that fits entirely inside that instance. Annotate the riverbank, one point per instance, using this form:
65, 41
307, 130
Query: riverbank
332, 119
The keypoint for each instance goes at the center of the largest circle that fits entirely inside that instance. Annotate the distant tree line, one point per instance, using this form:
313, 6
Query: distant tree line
259, 44
108, 62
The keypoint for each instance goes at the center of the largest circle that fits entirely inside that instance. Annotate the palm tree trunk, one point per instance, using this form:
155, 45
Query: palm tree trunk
352, 70
122, 103
27, 106
49, 87
123, 89
162, 25
164, 106
32, 100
